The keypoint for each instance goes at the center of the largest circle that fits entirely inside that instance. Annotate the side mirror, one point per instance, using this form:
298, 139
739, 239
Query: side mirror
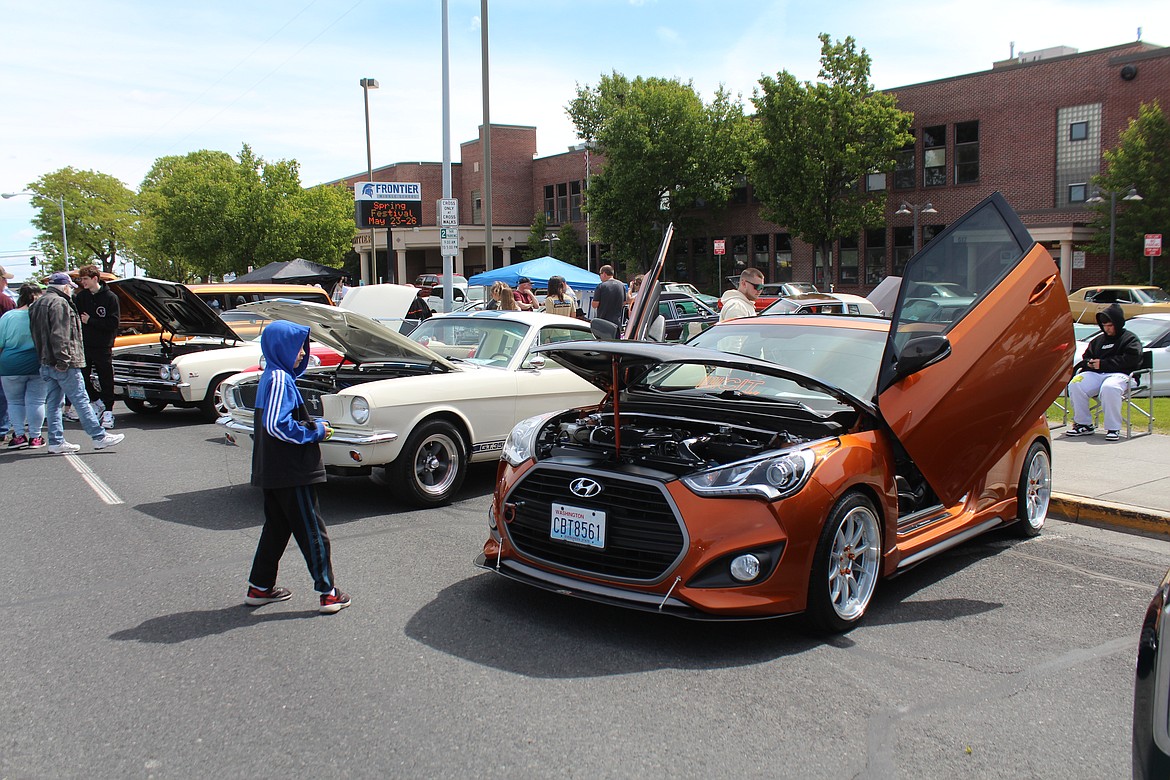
535, 362
921, 352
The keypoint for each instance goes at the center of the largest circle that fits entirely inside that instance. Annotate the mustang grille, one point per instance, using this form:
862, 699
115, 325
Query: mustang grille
643, 537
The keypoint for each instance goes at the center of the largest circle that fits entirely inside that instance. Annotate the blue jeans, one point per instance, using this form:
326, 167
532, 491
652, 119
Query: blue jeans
68, 384
26, 402
5, 423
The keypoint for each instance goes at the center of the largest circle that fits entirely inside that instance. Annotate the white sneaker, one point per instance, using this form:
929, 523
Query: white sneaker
64, 448
107, 420
109, 440
72, 415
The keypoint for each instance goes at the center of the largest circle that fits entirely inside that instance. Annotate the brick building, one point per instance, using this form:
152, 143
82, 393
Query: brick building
1033, 127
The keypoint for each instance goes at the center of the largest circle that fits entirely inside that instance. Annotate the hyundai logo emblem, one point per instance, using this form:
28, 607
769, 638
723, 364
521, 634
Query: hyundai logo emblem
584, 487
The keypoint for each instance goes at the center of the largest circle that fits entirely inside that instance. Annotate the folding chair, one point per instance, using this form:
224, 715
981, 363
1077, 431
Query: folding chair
1141, 390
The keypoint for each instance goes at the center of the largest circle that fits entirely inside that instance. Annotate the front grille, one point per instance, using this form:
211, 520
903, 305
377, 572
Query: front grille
643, 536
133, 369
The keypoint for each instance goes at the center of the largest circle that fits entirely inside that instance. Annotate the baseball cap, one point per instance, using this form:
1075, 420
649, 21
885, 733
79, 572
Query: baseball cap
523, 280
61, 278
4, 273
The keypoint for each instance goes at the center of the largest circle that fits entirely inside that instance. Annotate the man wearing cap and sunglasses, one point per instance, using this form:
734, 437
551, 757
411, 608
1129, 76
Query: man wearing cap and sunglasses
56, 332
740, 302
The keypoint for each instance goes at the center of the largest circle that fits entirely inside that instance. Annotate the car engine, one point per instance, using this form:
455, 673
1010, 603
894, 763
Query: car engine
673, 444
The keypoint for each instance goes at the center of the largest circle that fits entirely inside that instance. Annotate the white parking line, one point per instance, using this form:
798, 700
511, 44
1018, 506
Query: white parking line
101, 488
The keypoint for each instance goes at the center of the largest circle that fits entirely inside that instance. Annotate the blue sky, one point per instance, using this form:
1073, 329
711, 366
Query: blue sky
112, 85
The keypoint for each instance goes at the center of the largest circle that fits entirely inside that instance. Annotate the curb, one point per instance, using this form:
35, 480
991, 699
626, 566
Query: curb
1106, 514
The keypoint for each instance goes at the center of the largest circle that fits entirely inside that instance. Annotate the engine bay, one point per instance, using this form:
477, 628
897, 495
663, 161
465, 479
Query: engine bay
676, 445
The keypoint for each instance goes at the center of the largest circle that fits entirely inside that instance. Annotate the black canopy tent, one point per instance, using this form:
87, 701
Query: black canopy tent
299, 271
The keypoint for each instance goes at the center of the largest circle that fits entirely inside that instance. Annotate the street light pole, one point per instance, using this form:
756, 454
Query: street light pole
550, 238
907, 208
368, 278
61, 204
1096, 198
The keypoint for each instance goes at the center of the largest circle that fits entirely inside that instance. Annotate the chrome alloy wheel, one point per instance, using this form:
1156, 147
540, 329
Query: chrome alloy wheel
436, 464
1037, 489
853, 563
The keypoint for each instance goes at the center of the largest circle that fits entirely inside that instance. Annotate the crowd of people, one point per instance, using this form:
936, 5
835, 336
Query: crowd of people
51, 342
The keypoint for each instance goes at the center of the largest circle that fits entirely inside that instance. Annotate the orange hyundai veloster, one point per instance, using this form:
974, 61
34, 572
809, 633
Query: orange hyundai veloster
776, 465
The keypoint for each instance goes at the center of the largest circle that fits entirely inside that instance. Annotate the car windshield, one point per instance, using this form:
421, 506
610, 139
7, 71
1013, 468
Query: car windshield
847, 358
483, 340
247, 325
1147, 331
1151, 295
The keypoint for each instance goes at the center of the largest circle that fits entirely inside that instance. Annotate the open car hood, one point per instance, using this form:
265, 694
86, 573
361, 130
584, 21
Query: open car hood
594, 362
356, 336
176, 308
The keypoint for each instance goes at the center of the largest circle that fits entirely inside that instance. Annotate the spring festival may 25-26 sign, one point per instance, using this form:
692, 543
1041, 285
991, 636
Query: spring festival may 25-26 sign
388, 204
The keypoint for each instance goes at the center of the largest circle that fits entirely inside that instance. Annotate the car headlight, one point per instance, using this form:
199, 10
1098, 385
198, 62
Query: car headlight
359, 410
521, 442
314, 361
231, 397
169, 372
773, 477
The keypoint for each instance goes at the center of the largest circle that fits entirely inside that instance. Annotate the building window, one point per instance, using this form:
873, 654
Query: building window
930, 231
783, 258
934, 156
739, 190
574, 201
550, 203
1077, 161
903, 248
904, 167
562, 203
967, 152
476, 205
739, 251
760, 253
848, 262
1078, 193
875, 182
875, 256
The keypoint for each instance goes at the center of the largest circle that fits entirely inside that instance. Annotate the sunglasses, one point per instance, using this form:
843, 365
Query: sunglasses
757, 286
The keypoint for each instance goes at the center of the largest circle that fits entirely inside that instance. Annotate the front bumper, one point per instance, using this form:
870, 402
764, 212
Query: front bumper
347, 448
152, 390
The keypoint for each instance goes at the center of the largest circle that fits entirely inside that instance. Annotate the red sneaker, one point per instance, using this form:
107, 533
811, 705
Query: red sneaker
334, 602
258, 597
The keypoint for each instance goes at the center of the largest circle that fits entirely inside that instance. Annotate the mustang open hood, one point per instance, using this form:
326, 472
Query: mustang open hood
356, 336
176, 308
594, 362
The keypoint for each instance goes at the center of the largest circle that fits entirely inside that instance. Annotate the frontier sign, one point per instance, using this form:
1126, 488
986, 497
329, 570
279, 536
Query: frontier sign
387, 204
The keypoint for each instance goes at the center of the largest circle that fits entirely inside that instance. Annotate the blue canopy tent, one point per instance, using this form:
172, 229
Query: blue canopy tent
538, 271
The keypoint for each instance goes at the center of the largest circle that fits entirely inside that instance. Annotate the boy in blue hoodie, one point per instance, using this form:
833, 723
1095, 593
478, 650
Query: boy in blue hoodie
286, 464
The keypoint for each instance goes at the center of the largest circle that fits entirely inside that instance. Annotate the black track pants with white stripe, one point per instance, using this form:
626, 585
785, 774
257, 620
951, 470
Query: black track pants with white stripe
292, 511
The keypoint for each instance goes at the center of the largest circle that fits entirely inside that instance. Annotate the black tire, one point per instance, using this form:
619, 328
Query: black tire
144, 407
431, 467
842, 581
211, 407
1034, 493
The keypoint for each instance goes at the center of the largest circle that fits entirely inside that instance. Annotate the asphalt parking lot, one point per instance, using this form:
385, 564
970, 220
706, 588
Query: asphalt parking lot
130, 653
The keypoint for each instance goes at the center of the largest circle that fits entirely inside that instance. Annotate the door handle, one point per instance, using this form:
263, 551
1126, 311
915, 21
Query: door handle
1042, 290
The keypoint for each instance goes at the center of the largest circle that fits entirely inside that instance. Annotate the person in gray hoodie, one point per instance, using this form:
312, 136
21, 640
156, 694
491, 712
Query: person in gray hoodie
1105, 370
56, 332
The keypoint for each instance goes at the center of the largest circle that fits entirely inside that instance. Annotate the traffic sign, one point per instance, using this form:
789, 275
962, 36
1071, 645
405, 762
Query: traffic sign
449, 241
448, 209
720, 246
1153, 244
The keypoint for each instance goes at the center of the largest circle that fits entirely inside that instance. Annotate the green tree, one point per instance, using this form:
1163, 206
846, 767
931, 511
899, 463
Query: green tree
816, 143
536, 234
207, 213
100, 218
665, 151
569, 246
1140, 160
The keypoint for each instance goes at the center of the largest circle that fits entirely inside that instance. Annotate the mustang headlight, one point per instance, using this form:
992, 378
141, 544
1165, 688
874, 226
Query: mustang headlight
231, 397
170, 371
521, 443
314, 361
773, 477
359, 410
